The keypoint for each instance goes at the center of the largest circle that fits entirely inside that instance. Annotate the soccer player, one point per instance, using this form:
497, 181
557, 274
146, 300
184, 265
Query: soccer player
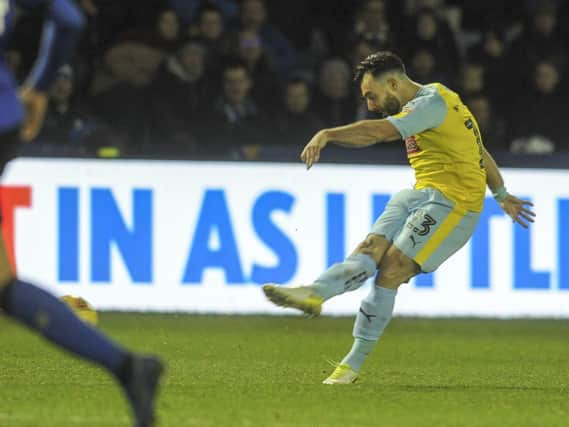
21, 116
421, 227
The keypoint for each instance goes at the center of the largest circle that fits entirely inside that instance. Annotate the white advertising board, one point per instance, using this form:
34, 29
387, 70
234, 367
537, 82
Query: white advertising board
202, 236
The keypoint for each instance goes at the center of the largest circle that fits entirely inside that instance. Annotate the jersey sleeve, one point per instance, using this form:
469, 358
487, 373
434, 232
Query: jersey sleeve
423, 113
61, 32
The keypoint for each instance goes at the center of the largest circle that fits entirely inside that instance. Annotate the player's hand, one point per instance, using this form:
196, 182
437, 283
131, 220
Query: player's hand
35, 106
519, 210
311, 153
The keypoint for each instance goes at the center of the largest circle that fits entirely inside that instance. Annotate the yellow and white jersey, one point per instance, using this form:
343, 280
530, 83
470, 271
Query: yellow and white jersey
444, 145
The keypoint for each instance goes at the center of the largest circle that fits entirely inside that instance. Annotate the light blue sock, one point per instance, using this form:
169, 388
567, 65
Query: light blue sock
345, 276
372, 318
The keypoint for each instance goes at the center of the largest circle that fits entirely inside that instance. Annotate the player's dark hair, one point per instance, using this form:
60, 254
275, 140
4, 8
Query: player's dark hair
378, 63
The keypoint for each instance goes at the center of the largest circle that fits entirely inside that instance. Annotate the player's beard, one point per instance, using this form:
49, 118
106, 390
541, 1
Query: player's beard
391, 106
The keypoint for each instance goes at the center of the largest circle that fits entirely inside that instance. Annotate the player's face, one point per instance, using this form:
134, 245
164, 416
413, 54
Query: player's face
380, 95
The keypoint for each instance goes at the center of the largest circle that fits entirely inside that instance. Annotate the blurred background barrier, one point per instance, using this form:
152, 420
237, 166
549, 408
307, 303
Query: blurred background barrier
202, 236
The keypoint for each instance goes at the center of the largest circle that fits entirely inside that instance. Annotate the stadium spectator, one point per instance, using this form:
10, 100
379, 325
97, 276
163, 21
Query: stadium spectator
236, 119
424, 67
128, 70
372, 24
130, 62
335, 101
433, 34
253, 17
413, 7
491, 53
188, 10
542, 39
141, 14
333, 21
105, 21
210, 28
210, 23
481, 15
490, 50
135, 57
69, 127
252, 53
540, 114
168, 25
181, 92
166, 36
471, 79
492, 126
296, 124
295, 20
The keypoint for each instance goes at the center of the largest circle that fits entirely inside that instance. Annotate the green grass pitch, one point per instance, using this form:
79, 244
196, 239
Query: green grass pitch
267, 371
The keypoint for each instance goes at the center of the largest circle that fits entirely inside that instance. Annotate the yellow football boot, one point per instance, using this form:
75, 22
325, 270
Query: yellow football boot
301, 298
343, 374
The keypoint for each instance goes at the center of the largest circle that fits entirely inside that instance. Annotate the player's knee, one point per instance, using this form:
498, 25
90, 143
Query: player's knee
388, 277
392, 279
374, 246
395, 269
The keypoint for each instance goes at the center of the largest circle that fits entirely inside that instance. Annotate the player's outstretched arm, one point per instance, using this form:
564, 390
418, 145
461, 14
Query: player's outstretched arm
359, 134
63, 24
519, 210
61, 31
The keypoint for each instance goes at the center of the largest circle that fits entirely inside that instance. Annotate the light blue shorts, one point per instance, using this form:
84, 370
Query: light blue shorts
425, 226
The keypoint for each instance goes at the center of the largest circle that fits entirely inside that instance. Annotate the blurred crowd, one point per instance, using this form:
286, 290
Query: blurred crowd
222, 78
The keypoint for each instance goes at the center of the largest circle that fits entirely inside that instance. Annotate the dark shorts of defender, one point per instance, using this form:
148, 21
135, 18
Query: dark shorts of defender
9, 146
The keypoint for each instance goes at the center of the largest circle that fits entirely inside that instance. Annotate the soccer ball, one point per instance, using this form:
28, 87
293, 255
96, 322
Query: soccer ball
81, 308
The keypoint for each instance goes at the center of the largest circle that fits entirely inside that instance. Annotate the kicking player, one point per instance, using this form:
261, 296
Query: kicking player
21, 118
420, 227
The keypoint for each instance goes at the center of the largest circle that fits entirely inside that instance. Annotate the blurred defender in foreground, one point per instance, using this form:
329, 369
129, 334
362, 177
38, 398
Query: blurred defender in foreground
21, 117
421, 227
